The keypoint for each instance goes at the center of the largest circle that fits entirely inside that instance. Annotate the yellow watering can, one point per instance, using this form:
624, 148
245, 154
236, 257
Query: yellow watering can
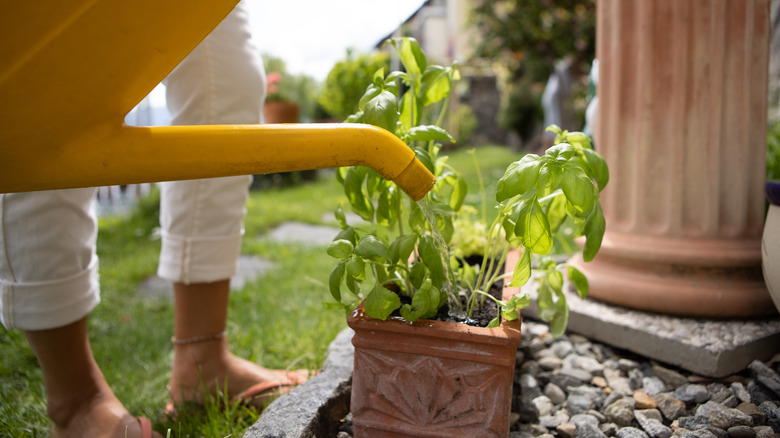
70, 70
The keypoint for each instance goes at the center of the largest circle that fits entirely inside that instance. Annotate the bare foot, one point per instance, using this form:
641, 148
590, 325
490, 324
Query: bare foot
211, 364
102, 416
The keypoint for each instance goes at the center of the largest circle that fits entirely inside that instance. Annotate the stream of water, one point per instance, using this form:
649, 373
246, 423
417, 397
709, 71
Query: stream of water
456, 308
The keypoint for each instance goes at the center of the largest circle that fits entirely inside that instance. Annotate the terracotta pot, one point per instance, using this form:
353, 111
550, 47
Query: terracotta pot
278, 111
431, 378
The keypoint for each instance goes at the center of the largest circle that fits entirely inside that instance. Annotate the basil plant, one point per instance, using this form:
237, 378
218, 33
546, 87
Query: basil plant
400, 247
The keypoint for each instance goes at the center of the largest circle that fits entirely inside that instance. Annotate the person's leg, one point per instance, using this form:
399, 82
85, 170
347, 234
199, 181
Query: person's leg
78, 399
201, 315
220, 82
48, 284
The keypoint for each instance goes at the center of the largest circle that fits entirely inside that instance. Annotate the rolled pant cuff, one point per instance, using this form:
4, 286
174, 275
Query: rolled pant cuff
49, 304
198, 260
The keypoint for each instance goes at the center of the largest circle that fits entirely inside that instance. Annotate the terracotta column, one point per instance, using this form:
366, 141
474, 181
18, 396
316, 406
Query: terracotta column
682, 125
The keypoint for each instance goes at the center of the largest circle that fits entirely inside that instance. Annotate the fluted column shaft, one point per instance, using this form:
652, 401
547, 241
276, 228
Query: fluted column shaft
682, 125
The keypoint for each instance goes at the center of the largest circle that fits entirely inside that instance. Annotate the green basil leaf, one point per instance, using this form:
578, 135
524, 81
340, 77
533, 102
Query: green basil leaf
522, 271
382, 111
334, 281
563, 151
579, 139
436, 84
598, 167
428, 133
550, 175
594, 233
520, 301
401, 248
347, 234
412, 57
411, 111
534, 228
356, 268
519, 178
578, 279
341, 217
458, 195
411, 313
379, 78
353, 188
560, 319
555, 280
371, 92
556, 212
371, 247
579, 191
431, 256
380, 303
494, 322
340, 249
417, 274
545, 303
510, 315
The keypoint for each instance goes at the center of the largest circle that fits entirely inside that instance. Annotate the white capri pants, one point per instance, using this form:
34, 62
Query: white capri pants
48, 263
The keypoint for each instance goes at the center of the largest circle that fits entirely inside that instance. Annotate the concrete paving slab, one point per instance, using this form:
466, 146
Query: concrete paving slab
713, 348
303, 233
249, 268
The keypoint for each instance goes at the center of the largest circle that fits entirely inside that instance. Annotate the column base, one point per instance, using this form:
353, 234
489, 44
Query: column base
670, 286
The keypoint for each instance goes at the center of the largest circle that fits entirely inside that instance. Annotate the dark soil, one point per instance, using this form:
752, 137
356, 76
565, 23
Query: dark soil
482, 314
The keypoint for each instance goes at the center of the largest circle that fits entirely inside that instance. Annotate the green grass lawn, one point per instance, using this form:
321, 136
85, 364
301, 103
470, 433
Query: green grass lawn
277, 320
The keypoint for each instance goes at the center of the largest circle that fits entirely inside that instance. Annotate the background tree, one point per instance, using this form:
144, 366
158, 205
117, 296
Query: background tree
529, 37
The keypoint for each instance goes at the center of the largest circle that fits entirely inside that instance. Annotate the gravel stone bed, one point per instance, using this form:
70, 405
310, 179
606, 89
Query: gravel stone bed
572, 387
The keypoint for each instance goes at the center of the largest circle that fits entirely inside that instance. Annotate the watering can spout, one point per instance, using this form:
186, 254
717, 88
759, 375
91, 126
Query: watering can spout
415, 180
168, 153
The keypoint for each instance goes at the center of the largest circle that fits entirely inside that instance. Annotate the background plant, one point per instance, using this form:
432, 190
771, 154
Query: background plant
348, 80
284, 86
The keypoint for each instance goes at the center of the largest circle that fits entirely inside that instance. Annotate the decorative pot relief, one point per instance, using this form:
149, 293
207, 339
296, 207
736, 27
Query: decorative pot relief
429, 392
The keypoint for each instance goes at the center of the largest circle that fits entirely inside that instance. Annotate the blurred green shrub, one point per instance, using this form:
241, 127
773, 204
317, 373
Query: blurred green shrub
348, 80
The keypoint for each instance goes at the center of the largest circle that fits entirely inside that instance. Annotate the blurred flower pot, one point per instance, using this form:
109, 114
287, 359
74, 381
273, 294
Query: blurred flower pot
280, 111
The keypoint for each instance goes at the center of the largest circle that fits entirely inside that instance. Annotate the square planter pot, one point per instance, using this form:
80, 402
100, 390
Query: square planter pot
431, 378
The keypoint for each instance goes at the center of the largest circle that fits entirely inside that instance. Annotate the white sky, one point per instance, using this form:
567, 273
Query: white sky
311, 35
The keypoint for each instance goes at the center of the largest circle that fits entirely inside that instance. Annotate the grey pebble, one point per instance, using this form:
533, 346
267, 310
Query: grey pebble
550, 363
670, 407
672, 378
587, 430
692, 393
555, 393
723, 417
759, 417
631, 432
653, 427
653, 385
740, 392
562, 348
764, 432
741, 432
584, 418
621, 412
609, 429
